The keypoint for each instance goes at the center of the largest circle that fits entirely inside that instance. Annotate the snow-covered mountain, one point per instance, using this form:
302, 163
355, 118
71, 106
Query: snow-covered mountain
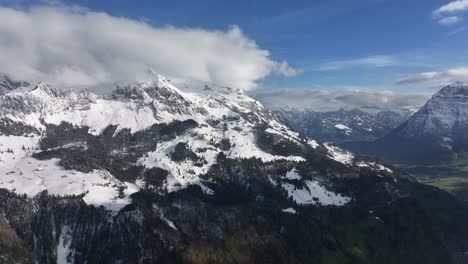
443, 116
43, 129
437, 132
203, 174
341, 126
342, 116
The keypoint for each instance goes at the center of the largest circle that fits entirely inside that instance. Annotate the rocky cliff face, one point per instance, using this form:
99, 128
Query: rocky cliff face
151, 173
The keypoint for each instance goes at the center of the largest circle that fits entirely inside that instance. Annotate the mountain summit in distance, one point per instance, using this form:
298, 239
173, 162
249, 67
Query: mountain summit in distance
434, 134
343, 126
343, 116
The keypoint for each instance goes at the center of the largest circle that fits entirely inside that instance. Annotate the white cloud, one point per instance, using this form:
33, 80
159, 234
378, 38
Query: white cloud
443, 13
451, 75
370, 61
77, 47
451, 20
454, 6
325, 101
283, 68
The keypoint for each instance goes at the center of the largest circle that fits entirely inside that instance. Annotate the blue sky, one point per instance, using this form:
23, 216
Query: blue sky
361, 44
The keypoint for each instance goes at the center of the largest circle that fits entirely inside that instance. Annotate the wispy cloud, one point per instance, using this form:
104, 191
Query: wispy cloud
448, 76
284, 69
445, 14
325, 101
451, 20
458, 30
369, 61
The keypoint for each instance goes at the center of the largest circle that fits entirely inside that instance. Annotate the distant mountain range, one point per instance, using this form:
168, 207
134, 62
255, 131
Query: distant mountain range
436, 133
343, 116
342, 126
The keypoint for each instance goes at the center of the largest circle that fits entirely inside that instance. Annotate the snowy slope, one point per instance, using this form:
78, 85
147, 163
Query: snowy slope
135, 107
311, 193
227, 121
24, 174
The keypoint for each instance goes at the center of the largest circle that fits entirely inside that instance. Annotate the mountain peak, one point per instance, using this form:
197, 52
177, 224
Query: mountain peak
455, 89
8, 84
446, 110
155, 78
42, 89
437, 131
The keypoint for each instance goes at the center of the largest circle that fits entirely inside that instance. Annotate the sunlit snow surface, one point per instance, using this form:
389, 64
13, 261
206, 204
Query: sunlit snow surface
21, 173
373, 165
342, 127
347, 158
346, 129
338, 154
289, 210
314, 193
311, 193
107, 112
155, 101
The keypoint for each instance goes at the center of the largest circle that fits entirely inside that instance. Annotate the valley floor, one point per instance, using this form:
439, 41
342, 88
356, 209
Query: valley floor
451, 177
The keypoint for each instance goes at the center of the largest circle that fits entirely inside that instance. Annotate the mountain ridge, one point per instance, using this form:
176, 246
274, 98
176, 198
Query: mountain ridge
222, 121
152, 173
343, 125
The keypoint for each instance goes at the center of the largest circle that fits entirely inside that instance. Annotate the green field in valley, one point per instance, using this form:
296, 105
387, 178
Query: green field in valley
451, 177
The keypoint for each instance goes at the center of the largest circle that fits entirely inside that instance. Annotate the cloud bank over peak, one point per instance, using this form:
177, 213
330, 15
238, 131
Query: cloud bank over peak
78, 47
326, 101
